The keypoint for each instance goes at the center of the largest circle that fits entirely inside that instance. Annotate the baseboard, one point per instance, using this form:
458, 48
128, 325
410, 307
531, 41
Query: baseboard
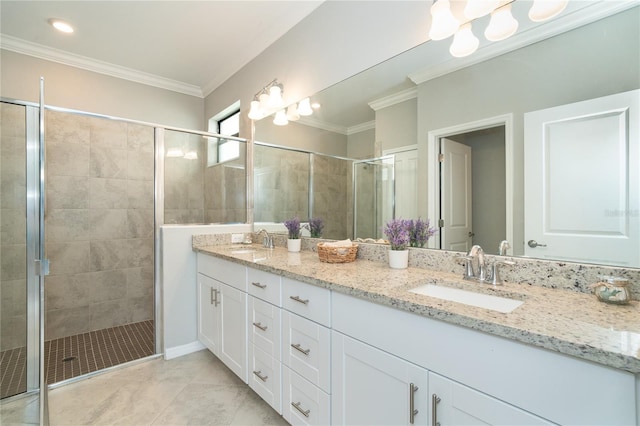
178, 351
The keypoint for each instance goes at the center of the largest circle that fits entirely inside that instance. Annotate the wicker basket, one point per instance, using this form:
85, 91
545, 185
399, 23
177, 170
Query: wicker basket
337, 254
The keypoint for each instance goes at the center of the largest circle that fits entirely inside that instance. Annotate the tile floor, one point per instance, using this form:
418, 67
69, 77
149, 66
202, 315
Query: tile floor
196, 389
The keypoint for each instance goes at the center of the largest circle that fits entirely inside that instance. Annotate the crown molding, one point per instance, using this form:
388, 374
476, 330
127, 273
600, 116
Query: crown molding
560, 25
396, 98
312, 122
55, 55
361, 127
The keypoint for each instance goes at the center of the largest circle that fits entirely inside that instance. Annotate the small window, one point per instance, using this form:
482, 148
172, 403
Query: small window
221, 150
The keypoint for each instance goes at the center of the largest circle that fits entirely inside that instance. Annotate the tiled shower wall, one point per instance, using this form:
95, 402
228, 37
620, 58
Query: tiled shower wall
13, 279
331, 195
99, 223
225, 191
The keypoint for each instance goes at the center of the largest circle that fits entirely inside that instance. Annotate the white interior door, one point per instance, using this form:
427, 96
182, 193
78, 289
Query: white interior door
582, 182
455, 193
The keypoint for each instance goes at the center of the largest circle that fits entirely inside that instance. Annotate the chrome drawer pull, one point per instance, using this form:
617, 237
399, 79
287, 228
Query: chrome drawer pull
297, 299
297, 347
412, 403
434, 410
260, 376
260, 326
259, 285
212, 297
296, 405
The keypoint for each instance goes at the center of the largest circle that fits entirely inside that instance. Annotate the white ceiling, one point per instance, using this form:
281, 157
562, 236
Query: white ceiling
190, 46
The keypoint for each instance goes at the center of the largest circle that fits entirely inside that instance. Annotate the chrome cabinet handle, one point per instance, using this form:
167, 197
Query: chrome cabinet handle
297, 299
259, 285
260, 326
296, 405
412, 403
534, 244
435, 399
214, 297
213, 300
217, 302
259, 375
297, 347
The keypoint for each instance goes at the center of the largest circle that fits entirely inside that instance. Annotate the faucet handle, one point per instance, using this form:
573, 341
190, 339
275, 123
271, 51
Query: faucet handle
495, 271
468, 266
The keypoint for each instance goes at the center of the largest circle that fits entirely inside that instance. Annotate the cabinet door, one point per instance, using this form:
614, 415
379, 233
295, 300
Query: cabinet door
456, 404
303, 403
208, 321
232, 349
264, 326
372, 387
265, 377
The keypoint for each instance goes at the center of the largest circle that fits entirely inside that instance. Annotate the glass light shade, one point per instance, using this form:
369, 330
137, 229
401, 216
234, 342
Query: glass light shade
280, 119
275, 97
174, 153
546, 9
502, 24
292, 113
464, 42
264, 102
478, 8
254, 111
304, 107
191, 155
443, 23
61, 26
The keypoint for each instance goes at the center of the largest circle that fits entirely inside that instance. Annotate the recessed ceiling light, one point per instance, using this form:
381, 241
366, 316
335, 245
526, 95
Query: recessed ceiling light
61, 26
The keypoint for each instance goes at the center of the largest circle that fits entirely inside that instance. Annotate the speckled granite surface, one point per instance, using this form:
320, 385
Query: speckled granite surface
559, 319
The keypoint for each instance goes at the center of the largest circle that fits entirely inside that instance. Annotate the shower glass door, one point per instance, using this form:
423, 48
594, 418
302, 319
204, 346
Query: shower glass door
373, 196
20, 207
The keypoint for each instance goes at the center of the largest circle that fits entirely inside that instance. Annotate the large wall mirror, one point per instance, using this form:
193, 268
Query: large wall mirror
423, 105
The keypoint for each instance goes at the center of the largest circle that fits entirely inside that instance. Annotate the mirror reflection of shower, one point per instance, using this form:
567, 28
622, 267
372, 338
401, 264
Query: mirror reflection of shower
373, 191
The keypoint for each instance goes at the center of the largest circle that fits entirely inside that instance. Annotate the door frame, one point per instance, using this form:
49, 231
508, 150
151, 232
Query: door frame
433, 165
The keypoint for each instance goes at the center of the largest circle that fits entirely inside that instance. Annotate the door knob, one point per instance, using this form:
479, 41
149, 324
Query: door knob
534, 244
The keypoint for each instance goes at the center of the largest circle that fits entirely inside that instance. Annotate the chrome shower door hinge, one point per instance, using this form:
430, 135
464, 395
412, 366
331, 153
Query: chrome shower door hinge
42, 267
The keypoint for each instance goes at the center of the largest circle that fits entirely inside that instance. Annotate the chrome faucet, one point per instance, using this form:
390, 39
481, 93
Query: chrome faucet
267, 240
503, 247
475, 267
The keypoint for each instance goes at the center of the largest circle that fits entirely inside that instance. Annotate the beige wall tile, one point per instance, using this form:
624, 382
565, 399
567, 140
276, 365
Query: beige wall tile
63, 225
108, 224
13, 262
109, 254
67, 322
67, 159
68, 258
67, 192
107, 193
108, 162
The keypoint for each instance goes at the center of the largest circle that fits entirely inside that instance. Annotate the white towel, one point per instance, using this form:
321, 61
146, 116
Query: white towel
342, 243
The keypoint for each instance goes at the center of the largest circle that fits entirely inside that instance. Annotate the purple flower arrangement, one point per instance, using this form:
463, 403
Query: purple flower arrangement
315, 227
420, 232
293, 226
398, 232
402, 233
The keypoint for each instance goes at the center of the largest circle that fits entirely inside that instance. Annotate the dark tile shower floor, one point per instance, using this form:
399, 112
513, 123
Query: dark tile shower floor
74, 356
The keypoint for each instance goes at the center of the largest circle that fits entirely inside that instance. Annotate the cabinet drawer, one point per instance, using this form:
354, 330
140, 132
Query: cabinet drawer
265, 377
264, 285
264, 326
307, 300
302, 402
306, 349
224, 271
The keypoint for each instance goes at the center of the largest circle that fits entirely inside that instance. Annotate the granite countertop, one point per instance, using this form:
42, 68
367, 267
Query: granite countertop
564, 321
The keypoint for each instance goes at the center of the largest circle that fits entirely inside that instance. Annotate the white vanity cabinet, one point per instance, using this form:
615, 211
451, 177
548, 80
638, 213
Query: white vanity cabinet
222, 311
454, 404
306, 353
372, 387
264, 322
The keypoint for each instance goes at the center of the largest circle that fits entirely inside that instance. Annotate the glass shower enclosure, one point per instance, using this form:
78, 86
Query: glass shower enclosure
22, 264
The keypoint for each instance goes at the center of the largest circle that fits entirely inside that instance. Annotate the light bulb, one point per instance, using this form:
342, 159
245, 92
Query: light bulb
443, 23
546, 9
280, 119
275, 97
478, 8
464, 42
304, 107
254, 111
292, 113
502, 24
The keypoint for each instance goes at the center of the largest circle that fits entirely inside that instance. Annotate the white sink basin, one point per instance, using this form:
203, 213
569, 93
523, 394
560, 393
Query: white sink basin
495, 303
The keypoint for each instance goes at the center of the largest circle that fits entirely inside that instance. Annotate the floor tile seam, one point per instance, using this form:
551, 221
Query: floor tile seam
169, 404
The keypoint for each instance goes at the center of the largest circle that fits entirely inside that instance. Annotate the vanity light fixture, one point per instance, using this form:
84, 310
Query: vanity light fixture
61, 25
502, 25
443, 23
280, 119
545, 9
464, 42
269, 101
292, 113
304, 107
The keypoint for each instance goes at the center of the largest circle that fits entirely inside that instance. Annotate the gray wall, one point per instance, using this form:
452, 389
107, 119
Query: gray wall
78, 89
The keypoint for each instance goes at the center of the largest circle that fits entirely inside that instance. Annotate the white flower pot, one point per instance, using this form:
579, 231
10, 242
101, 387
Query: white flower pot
293, 245
398, 259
